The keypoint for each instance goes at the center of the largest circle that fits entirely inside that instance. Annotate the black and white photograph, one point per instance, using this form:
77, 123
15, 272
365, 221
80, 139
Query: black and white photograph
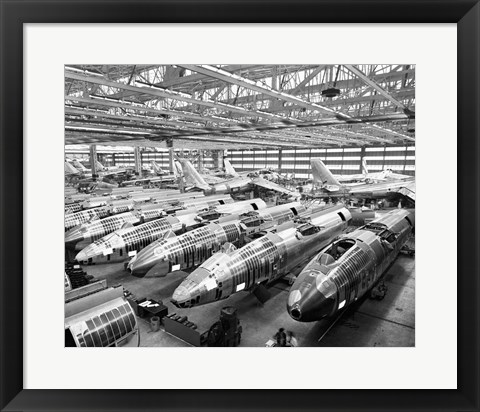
239, 205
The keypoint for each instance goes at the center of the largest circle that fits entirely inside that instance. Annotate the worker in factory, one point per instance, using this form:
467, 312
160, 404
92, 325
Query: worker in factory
291, 340
280, 337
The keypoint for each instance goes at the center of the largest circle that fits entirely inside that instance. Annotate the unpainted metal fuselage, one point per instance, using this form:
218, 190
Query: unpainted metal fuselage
193, 248
125, 243
81, 236
260, 261
347, 268
83, 216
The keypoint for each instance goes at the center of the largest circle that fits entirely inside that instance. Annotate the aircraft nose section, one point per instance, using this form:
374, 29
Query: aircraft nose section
196, 289
138, 268
81, 256
308, 302
73, 236
149, 261
88, 252
181, 295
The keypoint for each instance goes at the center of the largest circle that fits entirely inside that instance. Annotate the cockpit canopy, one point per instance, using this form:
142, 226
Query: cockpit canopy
253, 221
382, 231
308, 229
209, 215
335, 251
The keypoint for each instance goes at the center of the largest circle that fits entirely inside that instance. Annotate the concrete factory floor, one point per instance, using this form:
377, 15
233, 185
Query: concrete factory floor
387, 322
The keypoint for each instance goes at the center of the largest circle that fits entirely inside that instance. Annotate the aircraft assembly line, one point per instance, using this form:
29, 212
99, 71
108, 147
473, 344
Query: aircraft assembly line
218, 204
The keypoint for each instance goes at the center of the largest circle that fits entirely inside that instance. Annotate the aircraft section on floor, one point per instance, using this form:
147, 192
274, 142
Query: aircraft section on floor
215, 205
326, 249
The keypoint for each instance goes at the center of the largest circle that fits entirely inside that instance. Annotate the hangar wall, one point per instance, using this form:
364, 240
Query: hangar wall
343, 161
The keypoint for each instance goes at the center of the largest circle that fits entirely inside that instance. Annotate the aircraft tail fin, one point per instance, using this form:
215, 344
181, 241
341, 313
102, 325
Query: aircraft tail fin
364, 167
192, 177
70, 170
229, 169
100, 167
79, 166
177, 169
321, 174
156, 168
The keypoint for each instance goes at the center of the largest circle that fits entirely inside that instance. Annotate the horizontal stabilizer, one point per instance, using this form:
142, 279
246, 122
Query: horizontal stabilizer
266, 184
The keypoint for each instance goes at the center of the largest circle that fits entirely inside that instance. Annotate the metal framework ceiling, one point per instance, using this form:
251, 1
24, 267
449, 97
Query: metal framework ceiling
240, 106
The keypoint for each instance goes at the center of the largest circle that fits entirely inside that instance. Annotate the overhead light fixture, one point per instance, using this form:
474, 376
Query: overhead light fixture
83, 71
331, 92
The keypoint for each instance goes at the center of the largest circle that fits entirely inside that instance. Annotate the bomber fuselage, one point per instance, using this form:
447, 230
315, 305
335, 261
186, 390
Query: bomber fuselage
125, 243
347, 268
193, 248
261, 261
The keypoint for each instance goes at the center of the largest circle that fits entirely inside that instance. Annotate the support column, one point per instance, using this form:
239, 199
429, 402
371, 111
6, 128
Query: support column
362, 156
138, 161
170, 155
200, 161
93, 160
217, 159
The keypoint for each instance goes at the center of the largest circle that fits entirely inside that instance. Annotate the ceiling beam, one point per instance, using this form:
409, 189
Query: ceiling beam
160, 112
245, 128
357, 72
298, 88
105, 135
260, 88
296, 139
254, 85
348, 84
169, 94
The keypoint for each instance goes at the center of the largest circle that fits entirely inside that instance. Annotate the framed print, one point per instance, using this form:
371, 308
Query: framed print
188, 125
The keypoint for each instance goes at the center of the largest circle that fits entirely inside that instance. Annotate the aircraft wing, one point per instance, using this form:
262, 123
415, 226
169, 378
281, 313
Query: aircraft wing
408, 190
272, 186
379, 190
359, 178
212, 179
349, 178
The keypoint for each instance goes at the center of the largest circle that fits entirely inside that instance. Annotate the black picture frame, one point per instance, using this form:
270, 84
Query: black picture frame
465, 13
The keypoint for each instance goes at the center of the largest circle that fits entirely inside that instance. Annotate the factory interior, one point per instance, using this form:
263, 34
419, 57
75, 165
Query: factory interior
240, 205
